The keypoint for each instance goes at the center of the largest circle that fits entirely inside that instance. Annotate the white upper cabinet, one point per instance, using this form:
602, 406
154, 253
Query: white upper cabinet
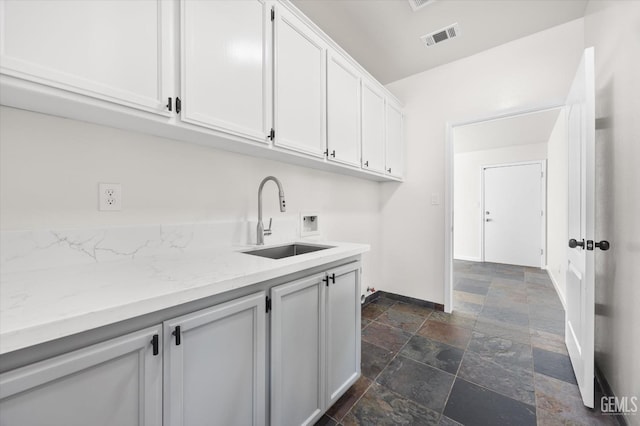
299, 92
394, 140
373, 128
343, 111
119, 51
225, 81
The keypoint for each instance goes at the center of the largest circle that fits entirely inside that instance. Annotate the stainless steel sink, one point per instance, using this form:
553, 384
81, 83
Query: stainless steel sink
289, 250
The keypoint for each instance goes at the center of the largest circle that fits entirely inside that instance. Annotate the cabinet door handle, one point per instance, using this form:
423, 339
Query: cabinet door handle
333, 153
366, 163
169, 104
154, 343
333, 278
389, 170
326, 280
176, 332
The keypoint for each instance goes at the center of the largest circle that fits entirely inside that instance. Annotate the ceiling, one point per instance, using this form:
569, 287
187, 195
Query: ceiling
384, 35
522, 129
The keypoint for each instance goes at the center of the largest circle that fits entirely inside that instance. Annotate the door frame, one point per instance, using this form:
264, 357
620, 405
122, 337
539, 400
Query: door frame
543, 205
448, 175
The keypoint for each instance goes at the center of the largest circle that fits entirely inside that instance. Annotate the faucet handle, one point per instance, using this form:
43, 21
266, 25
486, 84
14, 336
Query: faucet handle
268, 230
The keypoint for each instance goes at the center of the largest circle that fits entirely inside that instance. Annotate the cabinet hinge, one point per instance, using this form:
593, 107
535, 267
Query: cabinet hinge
273, 14
272, 134
268, 305
178, 105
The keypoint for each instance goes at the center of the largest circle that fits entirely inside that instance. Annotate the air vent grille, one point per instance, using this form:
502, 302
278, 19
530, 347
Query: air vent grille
441, 35
419, 4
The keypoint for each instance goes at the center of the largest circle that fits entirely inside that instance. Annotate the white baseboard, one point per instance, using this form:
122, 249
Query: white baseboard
467, 258
556, 287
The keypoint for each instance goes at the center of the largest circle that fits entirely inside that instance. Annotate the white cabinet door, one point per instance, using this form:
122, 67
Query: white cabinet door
224, 66
119, 51
215, 365
343, 331
394, 140
297, 352
373, 119
118, 382
343, 111
300, 76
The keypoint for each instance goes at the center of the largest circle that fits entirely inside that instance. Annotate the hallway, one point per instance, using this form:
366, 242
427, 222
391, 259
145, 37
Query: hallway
498, 359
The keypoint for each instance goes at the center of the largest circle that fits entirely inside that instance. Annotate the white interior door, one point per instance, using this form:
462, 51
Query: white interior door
513, 208
580, 314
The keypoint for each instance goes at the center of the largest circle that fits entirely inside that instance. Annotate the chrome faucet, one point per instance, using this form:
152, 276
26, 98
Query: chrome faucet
261, 231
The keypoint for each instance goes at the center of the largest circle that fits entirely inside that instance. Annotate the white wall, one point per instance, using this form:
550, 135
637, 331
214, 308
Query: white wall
557, 237
528, 72
50, 168
613, 28
467, 192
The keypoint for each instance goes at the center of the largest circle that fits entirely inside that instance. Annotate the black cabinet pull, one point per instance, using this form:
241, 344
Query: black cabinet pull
178, 105
333, 278
326, 280
176, 332
333, 153
154, 343
169, 105
603, 245
389, 170
366, 163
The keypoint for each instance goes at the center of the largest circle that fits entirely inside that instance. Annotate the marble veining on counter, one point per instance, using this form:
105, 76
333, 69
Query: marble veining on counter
42, 249
43, 304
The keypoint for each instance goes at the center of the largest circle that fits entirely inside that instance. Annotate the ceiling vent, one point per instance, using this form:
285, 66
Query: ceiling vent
419, 4
439, 36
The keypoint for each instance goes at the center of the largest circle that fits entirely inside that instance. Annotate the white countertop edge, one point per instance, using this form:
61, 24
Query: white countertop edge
21, 338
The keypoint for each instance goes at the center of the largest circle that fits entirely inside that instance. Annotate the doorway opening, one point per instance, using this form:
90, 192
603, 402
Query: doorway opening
499, 151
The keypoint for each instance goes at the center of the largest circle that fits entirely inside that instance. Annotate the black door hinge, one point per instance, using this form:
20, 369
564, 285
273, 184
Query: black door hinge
170, 104
273, 14
268, 305
178, 105
176, 332
272, 134
154, 343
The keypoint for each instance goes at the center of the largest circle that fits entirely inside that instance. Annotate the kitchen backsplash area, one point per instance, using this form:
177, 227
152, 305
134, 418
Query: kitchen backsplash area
42, 249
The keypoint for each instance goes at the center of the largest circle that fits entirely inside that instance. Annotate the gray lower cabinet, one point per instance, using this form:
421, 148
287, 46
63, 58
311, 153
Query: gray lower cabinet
117, 382
343, 329
315, 344
215, 363
208, 366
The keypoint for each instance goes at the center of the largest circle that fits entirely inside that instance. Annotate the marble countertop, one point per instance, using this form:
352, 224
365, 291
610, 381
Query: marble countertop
42, 305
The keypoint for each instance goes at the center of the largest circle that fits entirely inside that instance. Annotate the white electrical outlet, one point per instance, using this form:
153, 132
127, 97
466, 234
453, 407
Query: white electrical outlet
110, 197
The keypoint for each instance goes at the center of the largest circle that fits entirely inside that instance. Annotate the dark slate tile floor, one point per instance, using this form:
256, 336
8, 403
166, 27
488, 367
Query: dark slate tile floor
499, 359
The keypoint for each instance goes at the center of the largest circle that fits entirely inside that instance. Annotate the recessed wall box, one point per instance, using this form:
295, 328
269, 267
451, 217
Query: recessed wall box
309, 224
